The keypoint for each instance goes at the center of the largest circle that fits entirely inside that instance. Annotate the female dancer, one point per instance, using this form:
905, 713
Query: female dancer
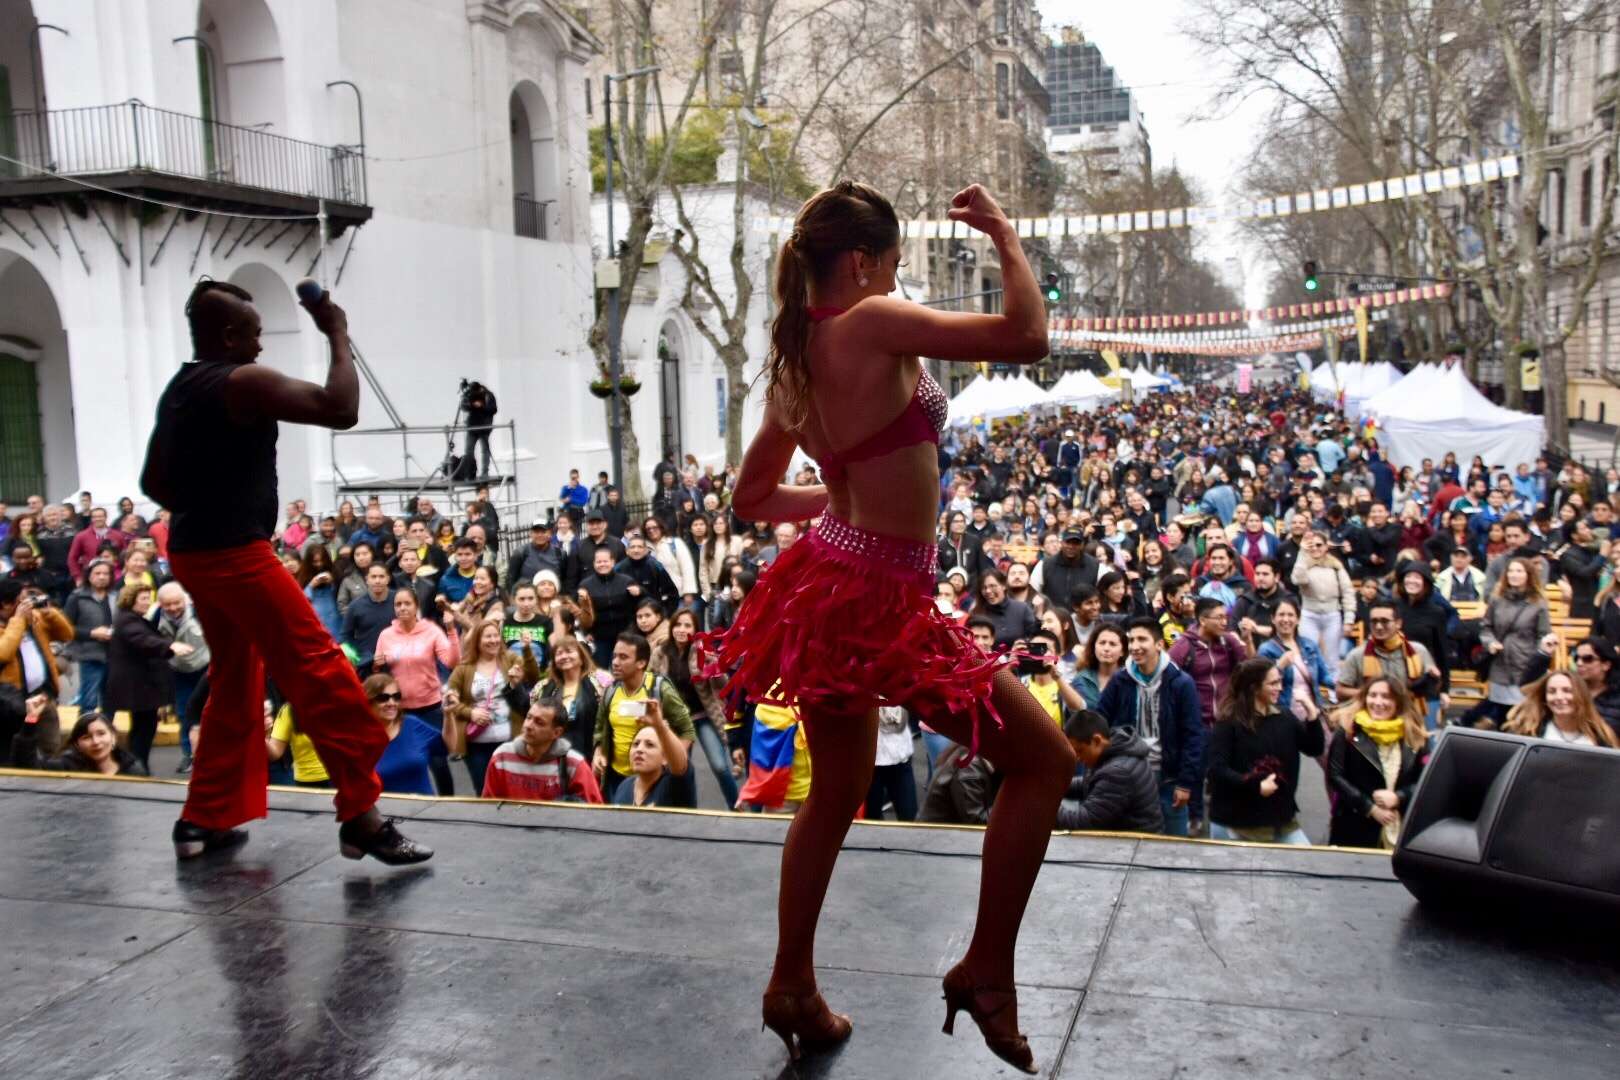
845, 618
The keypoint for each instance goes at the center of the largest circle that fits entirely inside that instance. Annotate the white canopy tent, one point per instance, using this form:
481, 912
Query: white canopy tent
1027, 392
1370, 381
968, 400
1143, 379
1450, 415
1082, 389
1414, 382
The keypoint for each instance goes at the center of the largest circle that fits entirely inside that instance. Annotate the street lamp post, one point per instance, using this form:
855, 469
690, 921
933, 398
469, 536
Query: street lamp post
615, 426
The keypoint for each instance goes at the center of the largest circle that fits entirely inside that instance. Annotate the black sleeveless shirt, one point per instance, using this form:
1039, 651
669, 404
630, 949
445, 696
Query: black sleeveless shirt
222, 473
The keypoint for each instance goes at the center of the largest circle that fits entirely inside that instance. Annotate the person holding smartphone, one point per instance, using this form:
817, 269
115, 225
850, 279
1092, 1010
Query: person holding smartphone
1037, 670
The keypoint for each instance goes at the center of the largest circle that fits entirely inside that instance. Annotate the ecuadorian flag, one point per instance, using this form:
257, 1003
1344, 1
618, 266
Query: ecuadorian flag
771, 756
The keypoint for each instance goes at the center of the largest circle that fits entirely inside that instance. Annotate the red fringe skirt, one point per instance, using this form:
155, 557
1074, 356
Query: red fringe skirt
844, 621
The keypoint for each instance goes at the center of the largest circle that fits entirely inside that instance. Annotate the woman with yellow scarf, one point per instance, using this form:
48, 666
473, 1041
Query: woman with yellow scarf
1374, 762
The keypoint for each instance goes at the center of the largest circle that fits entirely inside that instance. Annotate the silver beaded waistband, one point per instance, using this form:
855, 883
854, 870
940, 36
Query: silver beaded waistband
890, 551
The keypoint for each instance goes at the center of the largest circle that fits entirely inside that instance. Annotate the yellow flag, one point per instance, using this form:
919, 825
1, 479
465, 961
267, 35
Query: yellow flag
1361, 330
1111, 358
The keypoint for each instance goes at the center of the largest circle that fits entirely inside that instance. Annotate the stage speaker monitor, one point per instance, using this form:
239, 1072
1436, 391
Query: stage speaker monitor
1504, 821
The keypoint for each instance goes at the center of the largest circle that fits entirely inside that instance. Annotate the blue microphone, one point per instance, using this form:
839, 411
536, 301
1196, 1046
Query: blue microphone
309, 292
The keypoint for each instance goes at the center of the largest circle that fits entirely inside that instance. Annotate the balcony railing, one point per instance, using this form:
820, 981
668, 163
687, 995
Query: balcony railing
134, 137
529, 216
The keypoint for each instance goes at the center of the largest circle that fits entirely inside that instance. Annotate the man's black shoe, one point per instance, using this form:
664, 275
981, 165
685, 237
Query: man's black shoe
387, 844
191, 840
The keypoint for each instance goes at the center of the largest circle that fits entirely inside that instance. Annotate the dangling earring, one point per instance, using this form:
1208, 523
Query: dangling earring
861, 281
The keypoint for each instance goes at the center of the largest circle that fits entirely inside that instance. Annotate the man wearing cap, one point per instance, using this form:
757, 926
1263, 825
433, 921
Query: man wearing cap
537, 555
577, 567
1059, 574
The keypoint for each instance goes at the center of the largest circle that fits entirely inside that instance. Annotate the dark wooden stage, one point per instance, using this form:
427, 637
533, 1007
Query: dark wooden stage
586, 943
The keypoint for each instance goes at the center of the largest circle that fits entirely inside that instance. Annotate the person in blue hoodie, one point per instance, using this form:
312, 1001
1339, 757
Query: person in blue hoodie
1160, 701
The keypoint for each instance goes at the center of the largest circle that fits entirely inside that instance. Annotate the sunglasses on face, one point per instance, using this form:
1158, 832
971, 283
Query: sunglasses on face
1586, 658
395, 696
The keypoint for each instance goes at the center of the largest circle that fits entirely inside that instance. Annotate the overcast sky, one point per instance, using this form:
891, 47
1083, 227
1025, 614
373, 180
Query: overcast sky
1171, 79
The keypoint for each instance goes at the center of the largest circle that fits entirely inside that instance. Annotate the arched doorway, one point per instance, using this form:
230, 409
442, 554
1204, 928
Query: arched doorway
240, 81
534, 161
671, 443
20, 88
38, 443
281, 337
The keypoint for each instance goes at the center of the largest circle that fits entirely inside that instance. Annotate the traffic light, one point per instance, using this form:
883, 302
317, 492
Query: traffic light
1310, 275
1054, 291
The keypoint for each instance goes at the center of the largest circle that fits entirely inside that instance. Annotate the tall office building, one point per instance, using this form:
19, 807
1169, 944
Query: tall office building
1094, 123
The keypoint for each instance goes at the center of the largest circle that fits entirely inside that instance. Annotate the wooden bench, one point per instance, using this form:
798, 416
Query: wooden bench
1466, 684
1028, 554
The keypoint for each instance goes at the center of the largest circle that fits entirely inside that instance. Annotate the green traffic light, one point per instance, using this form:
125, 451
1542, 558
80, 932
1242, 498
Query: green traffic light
1054, 294
1310, 284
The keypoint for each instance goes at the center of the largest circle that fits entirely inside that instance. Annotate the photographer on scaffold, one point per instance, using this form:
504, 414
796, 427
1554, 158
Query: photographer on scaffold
478, 402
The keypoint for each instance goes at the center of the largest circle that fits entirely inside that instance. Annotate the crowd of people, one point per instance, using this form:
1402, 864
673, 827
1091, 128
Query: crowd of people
1216, 597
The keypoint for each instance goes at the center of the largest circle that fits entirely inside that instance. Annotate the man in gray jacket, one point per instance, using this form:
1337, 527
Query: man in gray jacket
176, 620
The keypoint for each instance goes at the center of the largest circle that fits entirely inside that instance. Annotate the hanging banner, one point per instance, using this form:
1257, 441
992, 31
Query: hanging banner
1245, 377
1530, 374
1361, 332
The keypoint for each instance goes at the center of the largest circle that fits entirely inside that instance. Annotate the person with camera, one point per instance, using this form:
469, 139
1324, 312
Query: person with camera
660, 765
29, 626
623, 709
478, 402
1037, 670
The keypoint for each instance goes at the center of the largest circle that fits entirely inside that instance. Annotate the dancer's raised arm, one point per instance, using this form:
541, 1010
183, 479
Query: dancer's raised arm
1018, 334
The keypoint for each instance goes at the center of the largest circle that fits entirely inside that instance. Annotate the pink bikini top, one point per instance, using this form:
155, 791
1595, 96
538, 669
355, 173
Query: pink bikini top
922, 420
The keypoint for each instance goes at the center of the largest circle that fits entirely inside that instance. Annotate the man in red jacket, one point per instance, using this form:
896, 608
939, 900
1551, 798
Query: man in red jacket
88, 543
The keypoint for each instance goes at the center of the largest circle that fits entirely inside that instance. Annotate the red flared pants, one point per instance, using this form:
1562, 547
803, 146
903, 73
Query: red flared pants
256, 618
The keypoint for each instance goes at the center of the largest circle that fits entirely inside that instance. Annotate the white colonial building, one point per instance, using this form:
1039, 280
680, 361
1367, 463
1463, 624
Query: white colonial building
458, 239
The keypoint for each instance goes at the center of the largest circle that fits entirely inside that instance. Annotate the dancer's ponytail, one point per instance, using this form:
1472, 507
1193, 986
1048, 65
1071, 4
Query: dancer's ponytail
846, 217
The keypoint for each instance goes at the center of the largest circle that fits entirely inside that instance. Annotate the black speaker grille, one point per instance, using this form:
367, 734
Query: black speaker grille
1561, 821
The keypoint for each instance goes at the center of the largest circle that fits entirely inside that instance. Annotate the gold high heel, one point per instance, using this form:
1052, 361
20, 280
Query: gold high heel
807, 1017
960, 993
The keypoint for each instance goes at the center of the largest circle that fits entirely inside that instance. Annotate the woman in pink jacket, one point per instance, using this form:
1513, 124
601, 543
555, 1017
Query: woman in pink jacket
411, 650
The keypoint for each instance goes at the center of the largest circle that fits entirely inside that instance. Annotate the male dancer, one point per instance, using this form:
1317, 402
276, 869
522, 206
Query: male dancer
212, 462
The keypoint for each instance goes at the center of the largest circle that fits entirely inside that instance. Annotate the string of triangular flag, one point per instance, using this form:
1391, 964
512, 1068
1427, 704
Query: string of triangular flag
1243, 318
1337, 197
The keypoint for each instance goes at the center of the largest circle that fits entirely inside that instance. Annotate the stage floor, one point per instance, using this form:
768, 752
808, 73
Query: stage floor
573, 942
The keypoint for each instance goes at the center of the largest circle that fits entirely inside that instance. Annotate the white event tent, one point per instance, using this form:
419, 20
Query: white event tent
997, 398
1082, 389
1368, 381
1143, 379
1451, 415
